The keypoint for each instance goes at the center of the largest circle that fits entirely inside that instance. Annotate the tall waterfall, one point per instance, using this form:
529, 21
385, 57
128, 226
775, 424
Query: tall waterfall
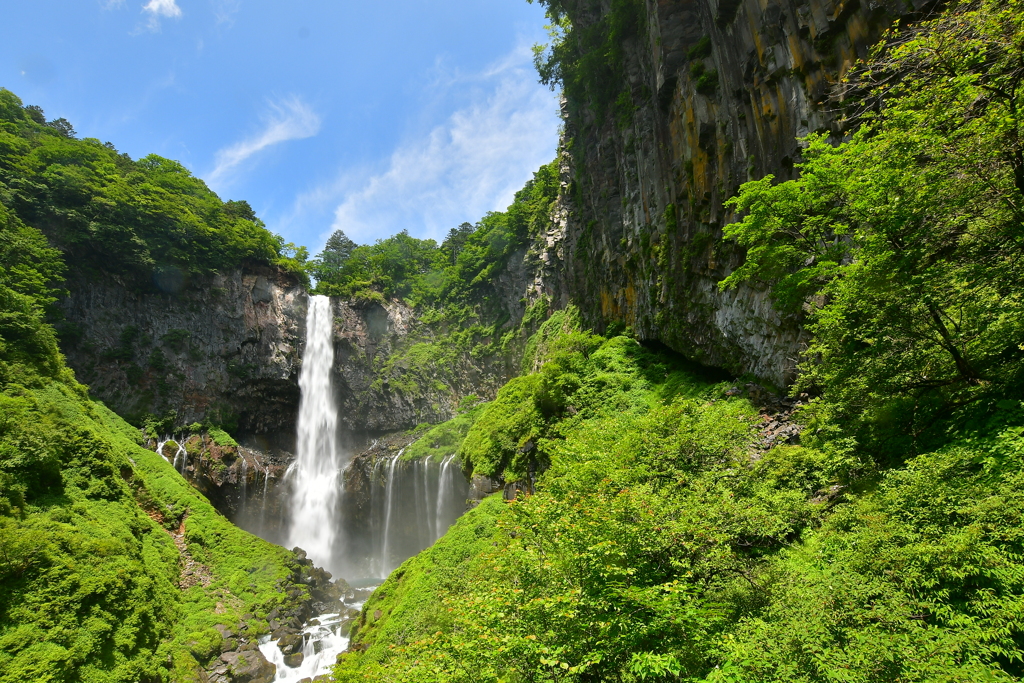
357, 518
314, 476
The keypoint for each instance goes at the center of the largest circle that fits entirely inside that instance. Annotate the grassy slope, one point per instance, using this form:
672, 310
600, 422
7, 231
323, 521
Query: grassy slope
658, 548
90, 579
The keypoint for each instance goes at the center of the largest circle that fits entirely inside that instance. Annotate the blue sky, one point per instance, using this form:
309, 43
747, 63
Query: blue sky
368, 116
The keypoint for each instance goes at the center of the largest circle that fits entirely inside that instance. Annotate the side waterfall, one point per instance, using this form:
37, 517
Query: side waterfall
314, 476
411, 504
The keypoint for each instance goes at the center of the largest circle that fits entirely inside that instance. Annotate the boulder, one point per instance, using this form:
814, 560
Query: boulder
283, 632
247, 667
290, 644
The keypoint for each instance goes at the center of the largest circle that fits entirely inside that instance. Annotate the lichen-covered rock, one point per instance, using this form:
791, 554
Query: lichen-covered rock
290, 644
242, 666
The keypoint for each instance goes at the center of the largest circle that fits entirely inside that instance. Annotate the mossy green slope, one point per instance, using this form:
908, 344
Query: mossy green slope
111, 567
662, 544
91, 573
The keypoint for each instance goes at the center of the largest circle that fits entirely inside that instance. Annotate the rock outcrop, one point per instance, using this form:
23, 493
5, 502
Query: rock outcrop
713, 93
224, 347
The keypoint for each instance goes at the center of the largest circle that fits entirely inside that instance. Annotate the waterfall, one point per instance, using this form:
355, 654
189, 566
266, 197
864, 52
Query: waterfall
385, 568
315, 476
180, 461
263, 502
359, 522
243, 498
443, 487
181, 456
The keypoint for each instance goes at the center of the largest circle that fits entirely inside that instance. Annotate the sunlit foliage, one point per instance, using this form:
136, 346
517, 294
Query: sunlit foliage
129, 217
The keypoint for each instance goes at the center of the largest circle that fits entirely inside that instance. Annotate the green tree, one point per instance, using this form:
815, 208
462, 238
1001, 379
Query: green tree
456, 241
903, 244
328, 265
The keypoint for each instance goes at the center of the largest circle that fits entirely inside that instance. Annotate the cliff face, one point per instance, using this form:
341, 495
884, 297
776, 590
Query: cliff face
225, 347
394, 370
228, 348
715, 93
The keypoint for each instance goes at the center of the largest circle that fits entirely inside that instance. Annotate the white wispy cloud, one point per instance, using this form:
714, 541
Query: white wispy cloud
160, 9
225, 10
471, 163
287, 119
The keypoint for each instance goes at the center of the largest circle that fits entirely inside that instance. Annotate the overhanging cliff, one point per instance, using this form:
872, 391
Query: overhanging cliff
706, 95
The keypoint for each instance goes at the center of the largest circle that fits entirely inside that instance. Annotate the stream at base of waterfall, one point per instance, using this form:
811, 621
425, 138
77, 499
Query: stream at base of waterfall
323, 639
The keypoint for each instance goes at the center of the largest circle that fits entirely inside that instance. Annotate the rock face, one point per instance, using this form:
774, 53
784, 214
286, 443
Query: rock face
715, 93
228, 348
225, 347
381, 386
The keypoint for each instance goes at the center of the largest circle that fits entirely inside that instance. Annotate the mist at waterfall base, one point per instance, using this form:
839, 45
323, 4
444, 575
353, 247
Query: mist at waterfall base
358, 518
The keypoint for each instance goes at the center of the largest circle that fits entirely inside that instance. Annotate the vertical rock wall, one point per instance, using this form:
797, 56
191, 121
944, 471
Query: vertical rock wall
719, 91
227, 348
224, 347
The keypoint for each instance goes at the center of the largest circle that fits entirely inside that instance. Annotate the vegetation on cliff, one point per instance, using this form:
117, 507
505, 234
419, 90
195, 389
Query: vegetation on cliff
465, 317
903, 244
586, 59
111, 567
665, 541
459, 271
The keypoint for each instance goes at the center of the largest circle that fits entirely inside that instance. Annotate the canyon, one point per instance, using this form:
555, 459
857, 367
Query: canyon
563, 443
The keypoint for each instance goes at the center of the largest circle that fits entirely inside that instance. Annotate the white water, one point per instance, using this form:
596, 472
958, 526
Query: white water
315, 475
444, 486
243, 499
385, 560
321, 646
180, 456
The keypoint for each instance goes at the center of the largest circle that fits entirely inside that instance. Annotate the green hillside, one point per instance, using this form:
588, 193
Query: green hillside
135, 218
111, 567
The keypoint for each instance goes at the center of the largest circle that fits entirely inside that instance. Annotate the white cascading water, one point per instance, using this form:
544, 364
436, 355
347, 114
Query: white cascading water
315, 474
444, 486
180, 456
385, 556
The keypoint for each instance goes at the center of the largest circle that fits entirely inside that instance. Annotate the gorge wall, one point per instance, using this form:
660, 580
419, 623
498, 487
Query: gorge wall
712, 93
222, 347
227, 348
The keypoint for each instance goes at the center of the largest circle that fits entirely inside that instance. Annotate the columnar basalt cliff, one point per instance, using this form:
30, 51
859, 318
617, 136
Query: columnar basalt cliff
713, 93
